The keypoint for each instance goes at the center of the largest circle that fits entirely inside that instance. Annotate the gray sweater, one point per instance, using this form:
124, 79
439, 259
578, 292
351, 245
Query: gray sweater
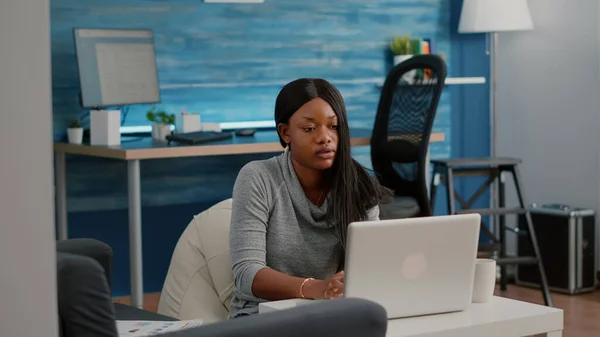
274, 224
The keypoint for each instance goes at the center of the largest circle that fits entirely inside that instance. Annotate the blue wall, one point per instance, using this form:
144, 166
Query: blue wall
227, 62
470, 103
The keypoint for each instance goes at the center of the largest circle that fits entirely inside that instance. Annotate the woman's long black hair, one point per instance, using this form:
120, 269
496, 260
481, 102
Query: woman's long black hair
353, 190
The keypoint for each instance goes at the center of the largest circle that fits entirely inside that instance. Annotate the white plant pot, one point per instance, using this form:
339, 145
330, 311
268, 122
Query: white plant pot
160, 132
409, 77
75, 135
401, 58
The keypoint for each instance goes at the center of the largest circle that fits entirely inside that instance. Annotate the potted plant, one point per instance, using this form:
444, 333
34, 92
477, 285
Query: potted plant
75, 132
162, 123
402, 48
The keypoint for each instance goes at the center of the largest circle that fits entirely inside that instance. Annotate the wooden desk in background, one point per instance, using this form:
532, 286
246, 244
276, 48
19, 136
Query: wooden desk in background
144, 149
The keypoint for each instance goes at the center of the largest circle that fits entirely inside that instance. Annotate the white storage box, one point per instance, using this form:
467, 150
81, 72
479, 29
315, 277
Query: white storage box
105, 127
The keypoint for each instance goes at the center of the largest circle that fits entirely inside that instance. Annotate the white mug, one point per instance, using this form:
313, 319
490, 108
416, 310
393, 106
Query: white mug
485, 280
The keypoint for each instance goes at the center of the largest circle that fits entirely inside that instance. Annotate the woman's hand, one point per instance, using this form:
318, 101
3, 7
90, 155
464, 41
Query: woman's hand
325, 289
336, 286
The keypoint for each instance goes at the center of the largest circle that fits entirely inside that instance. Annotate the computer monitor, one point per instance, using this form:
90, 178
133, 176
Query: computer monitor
116, 67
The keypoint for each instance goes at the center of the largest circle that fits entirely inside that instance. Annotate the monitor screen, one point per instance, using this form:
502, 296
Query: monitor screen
116, 67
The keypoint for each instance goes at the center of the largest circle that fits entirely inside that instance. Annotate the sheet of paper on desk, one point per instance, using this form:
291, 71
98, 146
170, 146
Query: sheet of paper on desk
153, 328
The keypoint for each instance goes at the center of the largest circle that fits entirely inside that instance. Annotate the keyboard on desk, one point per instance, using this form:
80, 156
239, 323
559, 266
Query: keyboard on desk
199, 137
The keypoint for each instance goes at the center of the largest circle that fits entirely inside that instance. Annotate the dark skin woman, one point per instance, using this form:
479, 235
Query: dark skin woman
291, 213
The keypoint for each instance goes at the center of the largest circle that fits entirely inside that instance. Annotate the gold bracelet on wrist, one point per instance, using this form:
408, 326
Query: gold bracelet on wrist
302, 286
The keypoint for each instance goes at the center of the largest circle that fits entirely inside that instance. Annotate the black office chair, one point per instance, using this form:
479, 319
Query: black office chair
401, 133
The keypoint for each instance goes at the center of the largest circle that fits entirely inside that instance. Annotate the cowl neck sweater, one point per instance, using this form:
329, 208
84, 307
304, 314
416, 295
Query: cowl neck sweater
315, 215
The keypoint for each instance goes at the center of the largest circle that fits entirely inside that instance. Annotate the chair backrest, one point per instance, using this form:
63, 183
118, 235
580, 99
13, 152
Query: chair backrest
199, 282
403, 124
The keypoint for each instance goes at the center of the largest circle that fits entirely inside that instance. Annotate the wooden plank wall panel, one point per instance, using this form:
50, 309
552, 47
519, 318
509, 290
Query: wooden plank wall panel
228, 62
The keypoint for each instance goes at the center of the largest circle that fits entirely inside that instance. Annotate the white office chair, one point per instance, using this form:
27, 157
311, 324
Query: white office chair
199, 282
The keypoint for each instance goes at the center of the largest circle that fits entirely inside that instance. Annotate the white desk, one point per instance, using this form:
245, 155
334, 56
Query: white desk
501, 317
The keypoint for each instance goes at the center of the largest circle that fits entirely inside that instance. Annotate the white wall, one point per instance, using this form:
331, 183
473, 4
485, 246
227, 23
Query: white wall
548, 102
27, 248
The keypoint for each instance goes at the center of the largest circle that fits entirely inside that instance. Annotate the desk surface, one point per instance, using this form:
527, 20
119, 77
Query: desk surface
500, 317
145, 148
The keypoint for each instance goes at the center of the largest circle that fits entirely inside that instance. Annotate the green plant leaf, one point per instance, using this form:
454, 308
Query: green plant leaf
75, 123
401, 45
151, 116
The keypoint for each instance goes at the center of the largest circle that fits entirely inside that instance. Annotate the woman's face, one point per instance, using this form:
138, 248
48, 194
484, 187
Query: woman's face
312, 134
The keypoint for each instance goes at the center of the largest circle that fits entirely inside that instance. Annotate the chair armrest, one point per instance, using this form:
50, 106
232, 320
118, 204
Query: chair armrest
97, 250
84, 302
340, 317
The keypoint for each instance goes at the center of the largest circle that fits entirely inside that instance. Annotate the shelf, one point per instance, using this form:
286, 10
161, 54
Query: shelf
465, 80
451, 81
377, 81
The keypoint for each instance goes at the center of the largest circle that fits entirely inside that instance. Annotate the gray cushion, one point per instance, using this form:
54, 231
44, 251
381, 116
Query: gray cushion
347, 317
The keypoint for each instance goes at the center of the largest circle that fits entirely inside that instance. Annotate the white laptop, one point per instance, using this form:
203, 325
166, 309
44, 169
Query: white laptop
414, 266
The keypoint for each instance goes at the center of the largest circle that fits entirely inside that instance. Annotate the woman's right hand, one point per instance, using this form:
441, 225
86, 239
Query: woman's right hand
325, 289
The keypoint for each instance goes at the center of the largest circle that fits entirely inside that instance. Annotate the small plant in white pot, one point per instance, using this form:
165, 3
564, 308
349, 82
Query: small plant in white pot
402, 48
161, 126
75, 132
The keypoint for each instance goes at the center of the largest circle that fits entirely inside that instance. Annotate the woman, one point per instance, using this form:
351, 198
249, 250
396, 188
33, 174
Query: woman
290, 213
